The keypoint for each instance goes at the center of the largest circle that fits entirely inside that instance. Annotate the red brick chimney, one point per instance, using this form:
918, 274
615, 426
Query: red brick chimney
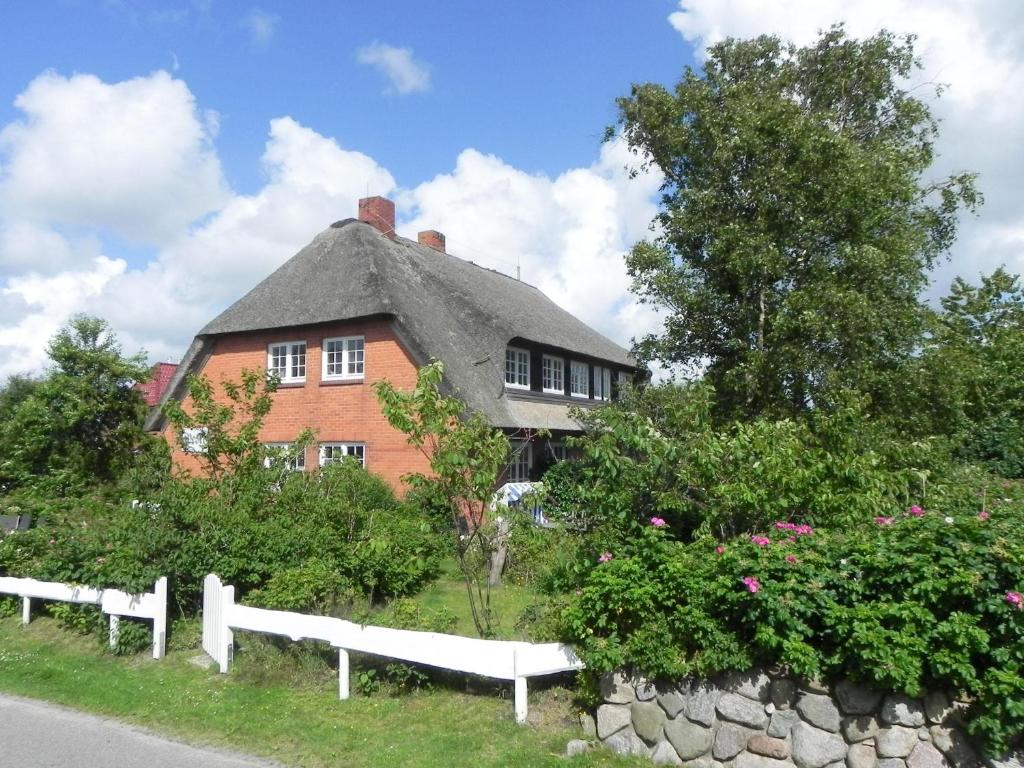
431, 238
380, 213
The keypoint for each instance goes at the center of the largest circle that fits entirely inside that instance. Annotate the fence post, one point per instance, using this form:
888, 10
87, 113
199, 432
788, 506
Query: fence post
26, 610
115, 630
224, 634
343, 679
519, 689
160, 619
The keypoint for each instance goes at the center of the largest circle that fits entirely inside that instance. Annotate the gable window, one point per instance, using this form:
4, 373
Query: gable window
517, 368
287, 361
334, 452
553, 380
343, 358
193, 439
579, 383
285, 455
602, 383
520, 462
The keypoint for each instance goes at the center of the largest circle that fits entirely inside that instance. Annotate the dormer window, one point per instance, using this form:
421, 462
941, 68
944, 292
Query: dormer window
517, 368
602, 383
579, 379
553, 378
287, 361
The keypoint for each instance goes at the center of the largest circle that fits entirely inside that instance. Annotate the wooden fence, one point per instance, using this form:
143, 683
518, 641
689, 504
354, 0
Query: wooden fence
149, 605
500, 659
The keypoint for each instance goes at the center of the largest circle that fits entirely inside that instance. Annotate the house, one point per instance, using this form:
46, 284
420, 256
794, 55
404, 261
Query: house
153, 388
360, 304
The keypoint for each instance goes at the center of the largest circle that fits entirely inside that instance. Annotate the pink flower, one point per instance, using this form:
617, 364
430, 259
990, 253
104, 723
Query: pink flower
784, 526
803, 530
719, 550
752, 584
605, 557
657, 522
883, 520
915, 511
761, 541
790, 558
983, 515
1016, 599
791, 539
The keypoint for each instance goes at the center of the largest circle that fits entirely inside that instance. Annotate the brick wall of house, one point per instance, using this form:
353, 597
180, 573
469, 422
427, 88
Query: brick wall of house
335, 411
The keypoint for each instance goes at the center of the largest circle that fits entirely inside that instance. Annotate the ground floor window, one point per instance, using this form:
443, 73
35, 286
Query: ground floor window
333, 452
520, 462
290, 457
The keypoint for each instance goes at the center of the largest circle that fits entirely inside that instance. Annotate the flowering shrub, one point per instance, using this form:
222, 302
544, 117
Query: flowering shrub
906, 602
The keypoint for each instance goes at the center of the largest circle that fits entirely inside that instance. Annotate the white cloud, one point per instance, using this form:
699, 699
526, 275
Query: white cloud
406, 74
567, 234
976, 47
133, 158
261, 25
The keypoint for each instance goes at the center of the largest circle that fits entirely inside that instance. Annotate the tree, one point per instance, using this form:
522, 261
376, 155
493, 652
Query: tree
797, 226
81, 423
466, 457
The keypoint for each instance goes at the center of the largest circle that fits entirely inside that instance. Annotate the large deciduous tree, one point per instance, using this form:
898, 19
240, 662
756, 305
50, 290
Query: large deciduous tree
798, 219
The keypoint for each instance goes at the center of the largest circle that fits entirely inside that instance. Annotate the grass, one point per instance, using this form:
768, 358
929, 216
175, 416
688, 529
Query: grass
298, 721
507, 603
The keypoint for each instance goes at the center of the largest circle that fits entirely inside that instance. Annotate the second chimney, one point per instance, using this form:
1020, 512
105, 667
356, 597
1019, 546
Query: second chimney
378, 212
432, 239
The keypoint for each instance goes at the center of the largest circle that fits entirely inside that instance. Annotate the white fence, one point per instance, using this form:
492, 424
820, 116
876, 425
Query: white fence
501, 659
149, 605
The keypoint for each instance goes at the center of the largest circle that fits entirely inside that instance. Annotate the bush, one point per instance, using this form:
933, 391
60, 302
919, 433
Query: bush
911, 601
304, 539
533, 551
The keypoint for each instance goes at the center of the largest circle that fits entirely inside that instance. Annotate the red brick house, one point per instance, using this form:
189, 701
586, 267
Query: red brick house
359, 304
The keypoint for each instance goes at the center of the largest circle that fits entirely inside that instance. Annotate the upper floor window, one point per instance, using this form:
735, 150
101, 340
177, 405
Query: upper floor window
553, 379
602, 383
579, 381
517, 368
287, 361
193, 439
333, 452
291, 457
343, 358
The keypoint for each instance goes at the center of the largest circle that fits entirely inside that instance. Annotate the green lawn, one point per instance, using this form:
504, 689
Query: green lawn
298, 724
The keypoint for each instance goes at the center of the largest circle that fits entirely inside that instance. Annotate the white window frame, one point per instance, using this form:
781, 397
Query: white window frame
624, 382
602, 383
294, 463
574, 367
289, 361
347, 361
558, 451
193, 439
520, 457
520, 356
550, 366
350, 449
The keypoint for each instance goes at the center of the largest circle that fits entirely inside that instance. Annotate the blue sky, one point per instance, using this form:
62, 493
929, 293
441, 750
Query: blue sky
532, 82
157, 160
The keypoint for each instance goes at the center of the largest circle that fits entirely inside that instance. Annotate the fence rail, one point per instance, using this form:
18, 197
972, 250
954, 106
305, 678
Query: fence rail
149, 605
500, 659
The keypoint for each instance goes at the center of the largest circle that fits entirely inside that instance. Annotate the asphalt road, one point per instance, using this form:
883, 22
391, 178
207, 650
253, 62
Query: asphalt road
38, 735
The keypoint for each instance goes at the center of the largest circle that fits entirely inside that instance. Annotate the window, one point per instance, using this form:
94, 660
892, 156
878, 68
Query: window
517, 368
624, 382
520, 462
602, 383
553, 375
558, 451
284, 454
287, 361
578, 380
332, 452
343, 358
193, 439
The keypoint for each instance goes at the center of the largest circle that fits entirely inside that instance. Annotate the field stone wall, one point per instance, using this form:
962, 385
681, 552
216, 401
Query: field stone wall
758, 720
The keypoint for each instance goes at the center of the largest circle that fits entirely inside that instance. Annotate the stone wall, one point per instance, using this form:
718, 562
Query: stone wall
772, 721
